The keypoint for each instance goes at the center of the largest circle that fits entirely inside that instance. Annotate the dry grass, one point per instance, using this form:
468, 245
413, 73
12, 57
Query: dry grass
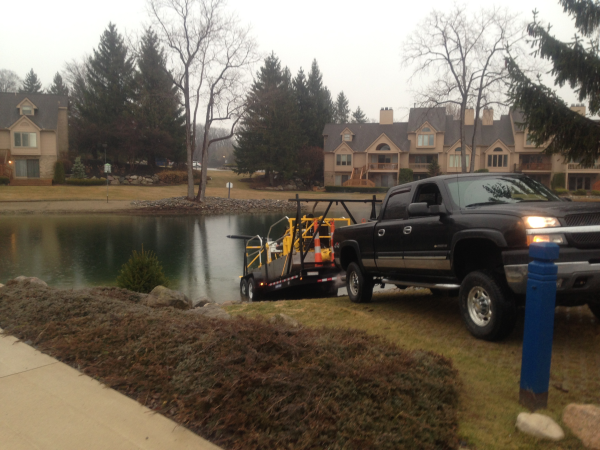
490, 372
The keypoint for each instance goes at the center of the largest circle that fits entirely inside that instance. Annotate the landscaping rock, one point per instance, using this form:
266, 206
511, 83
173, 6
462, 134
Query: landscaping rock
584, 422
1, 285
115, 182
162, 297
135, 181
26, 282
284, 319
211, 310
215, 205
201, 301
539, 426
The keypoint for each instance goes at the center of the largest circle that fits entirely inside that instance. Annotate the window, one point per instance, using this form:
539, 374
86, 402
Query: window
341, 179
528, 140
430, 194
497, 160
384, 159
425, 159
383, 147
426, 138
396, 205
347, 137
580, 183
532, 159
29, 168
455, 159
344, 160
27, 110
25, 140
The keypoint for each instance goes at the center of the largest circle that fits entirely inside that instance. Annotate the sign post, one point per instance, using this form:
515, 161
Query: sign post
539, 325
229, 185
107, 170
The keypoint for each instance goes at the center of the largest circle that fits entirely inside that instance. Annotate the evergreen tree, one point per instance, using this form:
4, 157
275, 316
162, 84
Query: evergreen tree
358, 116
105, 106
434, 169
321, 107
269, 135
547, 117
58, 87
158, 115
303, 103
32, 84
342, 109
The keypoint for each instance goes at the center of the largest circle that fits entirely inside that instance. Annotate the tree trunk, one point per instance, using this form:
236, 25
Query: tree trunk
463, 152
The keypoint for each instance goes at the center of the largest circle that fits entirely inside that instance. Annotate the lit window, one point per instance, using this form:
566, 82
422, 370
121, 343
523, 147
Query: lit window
27, 110
25, 140
425, 138
347, 137
344, 160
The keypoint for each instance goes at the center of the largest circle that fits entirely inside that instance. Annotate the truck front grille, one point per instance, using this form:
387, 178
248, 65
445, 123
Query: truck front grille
585, 238
582, 220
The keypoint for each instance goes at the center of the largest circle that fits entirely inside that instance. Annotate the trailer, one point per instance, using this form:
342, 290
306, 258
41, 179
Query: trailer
300, 258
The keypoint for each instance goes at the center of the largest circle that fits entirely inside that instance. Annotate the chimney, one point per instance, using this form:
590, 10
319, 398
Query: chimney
469, 116
386, 116
578, 108
488, 117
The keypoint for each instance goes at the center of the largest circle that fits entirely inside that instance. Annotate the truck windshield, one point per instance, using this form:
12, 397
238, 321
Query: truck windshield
473, 192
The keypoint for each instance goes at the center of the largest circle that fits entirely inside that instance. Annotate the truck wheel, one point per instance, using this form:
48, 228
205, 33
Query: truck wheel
254, 294
360, 288
486, 306
595, 308
244, 288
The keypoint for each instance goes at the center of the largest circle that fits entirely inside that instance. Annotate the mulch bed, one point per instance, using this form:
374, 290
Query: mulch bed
245, 383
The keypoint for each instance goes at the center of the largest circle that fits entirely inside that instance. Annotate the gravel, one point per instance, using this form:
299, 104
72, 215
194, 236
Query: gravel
214, 205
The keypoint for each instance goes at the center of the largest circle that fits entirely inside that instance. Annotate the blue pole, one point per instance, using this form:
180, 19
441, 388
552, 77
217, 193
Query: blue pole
539, 325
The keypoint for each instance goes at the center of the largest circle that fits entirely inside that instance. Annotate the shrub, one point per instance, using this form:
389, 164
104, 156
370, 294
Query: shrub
4, 180
405, 176
78, 169
595, 193
142, 273
482, 171
68, 165
361, 189
580, 192
560, 191
558, 181
178, 176
59, 172
85, 181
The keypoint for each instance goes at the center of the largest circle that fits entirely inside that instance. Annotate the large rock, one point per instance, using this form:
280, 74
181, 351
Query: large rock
584, 422
211, 310
162, 297
284, 319
201, 301
135, 181
1, 285
539, 426
115, 182
25, 282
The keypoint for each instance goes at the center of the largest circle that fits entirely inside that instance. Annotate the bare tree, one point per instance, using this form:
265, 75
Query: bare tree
9, 81
464, 54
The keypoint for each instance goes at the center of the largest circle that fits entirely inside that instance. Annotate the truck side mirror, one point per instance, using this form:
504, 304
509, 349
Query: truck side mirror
421, 209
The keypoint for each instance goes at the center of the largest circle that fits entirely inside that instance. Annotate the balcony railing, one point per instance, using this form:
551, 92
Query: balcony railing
383, 166
581, 167
535, 166
419, 166
357, 182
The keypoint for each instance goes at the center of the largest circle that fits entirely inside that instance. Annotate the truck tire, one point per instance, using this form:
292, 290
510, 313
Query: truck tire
254, 295
486, 306
595, 308
244, 288
360, 287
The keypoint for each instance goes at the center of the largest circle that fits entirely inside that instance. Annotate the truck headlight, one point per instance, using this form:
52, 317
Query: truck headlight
554, 238
541, 222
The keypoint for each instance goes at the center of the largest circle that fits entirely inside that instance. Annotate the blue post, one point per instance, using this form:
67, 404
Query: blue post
539, 325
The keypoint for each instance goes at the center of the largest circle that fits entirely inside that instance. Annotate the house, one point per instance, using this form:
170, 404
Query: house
34, 131
372, 154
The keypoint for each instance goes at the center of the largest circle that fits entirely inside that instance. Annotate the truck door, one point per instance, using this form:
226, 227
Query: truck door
388, 232
425, 239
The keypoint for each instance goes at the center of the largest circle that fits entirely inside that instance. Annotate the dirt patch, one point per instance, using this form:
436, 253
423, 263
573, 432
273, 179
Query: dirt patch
245, 383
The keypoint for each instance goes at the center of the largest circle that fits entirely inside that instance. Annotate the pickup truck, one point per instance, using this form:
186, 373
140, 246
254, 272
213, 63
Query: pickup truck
468, 234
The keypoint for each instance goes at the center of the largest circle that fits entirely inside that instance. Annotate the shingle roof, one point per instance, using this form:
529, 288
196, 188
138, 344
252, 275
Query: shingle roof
518, 118
435, 116
486, 135
46, 114
365, 134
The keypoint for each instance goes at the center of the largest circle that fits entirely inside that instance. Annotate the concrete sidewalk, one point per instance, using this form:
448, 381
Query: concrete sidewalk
45, 404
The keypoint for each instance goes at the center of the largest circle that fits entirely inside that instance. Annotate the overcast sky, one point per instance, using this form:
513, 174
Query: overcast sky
357, 44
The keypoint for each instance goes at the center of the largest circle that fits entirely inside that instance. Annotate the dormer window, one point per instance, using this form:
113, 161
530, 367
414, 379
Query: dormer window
497, 160
347, 137
27, 110
383, 147
425, 138
456, 159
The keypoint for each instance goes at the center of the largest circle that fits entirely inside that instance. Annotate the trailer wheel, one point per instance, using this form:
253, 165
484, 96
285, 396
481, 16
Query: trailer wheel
254, 294
244, 288
360, 287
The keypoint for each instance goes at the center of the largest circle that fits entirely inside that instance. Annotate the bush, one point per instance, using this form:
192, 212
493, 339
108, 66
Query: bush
68, 165
142, 272
59, 172
482, 171
178, 176
85, 181
78, 169
580, 192
405, 176
560, 191
361, 189
558, 181
595, 193
4, 180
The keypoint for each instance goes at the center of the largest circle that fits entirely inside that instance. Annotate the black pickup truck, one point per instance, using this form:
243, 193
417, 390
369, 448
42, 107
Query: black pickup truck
469, 234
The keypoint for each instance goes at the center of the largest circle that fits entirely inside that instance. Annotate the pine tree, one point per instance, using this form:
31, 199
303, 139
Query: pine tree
157, 111
434, 168
341, 109
358, 116
58, 87
32, 84
269, 135
547, 117
303, 103
321, 106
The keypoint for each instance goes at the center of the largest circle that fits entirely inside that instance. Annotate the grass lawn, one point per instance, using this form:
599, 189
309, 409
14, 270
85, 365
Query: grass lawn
490, 372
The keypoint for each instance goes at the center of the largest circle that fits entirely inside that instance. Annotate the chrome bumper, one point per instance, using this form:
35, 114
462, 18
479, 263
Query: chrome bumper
580, 277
